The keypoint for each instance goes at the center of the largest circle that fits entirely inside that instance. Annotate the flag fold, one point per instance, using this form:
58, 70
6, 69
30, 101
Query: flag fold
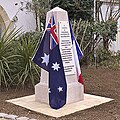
77, 55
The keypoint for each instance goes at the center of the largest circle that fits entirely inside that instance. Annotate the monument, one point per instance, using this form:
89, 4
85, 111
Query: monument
75, 90
66, 72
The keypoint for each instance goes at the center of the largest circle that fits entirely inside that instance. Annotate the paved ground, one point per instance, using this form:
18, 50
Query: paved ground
3, 119
103, 82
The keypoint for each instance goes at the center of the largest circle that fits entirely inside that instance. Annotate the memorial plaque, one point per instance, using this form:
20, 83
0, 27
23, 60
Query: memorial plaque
66, 48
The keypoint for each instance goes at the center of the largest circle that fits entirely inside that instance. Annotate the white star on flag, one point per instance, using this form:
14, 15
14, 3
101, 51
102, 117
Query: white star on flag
45, 59
49, 90
55, 66
60, 89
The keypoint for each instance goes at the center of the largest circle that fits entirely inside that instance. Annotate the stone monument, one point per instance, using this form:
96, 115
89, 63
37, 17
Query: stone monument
75, 90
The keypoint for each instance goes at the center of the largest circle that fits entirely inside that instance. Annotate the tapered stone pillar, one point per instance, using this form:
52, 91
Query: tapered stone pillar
75, 90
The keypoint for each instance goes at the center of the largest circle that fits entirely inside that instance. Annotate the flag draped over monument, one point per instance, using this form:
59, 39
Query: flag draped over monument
77, 55
49, 58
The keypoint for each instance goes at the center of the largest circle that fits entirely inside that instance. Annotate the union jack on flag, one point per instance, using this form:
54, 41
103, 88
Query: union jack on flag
52, 28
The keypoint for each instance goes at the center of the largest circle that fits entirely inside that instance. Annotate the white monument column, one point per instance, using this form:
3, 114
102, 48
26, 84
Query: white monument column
75, 90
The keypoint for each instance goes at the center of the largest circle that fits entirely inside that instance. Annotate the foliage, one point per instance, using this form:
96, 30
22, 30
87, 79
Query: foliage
92, 36
83, 31
76, 8
64, 4
103, 55
107, 59
16, 67
40, 7
7, 55
26, 73
16, 51
106, 24
84, 10
107, 30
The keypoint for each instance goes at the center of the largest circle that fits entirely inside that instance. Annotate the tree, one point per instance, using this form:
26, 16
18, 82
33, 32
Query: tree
76, 8
40, 7
106, 20
107, 30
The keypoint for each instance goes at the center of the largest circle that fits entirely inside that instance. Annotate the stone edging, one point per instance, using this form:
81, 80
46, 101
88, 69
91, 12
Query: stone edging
13, 117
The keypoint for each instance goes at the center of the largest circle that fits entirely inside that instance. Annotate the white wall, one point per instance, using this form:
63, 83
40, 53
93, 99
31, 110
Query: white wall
104, 9
26, 19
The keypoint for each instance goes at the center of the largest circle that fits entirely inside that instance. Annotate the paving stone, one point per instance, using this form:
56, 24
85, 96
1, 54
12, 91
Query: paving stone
3, 119
2, 115
32, 119
22, 118
12, 117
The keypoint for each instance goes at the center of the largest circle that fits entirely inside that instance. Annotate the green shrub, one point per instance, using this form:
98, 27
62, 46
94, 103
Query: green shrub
7, 56
26, 72
107, 59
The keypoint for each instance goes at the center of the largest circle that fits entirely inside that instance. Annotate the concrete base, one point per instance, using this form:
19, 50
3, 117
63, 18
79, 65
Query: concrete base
74, 93
41, 93
30, 103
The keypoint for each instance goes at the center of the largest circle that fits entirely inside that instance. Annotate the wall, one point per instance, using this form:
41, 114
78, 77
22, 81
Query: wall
16, 11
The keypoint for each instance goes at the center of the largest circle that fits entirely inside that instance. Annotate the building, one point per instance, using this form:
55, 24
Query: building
18, 13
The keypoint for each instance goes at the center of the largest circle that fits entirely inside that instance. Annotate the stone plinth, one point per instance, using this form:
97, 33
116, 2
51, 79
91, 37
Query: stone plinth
89, 101
75, 90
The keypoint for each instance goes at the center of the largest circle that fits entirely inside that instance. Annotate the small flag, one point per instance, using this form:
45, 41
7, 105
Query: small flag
48, 57
77, 55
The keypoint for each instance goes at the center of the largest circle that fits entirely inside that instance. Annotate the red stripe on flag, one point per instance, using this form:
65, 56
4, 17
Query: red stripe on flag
53, 34
81, 79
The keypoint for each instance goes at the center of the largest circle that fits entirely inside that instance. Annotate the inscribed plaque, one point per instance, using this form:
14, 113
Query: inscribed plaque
66, 48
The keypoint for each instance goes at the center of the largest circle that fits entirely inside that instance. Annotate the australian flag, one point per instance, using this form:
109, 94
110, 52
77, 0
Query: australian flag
49, 58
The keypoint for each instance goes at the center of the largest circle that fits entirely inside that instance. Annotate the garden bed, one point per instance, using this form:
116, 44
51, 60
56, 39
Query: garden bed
103, 82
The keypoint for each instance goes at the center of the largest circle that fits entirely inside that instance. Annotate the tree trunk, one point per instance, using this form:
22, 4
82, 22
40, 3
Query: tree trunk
106, 43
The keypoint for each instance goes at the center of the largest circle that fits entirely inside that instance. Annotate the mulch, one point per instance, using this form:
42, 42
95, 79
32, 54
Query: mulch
101, 81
